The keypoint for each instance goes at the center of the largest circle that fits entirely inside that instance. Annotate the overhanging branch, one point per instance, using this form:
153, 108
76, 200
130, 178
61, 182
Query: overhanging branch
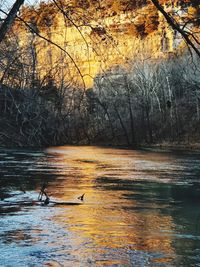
176, 26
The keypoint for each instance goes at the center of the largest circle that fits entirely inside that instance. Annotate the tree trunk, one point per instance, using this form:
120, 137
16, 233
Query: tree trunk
10, 19
150, 134
123, 126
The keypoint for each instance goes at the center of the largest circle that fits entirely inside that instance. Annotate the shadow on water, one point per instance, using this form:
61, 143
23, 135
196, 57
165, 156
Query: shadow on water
23, 170
141, 208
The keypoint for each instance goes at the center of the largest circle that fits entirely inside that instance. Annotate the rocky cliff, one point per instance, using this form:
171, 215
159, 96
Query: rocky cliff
89, 37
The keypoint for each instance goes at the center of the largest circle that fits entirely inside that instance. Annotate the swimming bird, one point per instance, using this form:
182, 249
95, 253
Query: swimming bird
81, 197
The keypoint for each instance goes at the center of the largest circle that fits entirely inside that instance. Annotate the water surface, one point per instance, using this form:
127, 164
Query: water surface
141, 208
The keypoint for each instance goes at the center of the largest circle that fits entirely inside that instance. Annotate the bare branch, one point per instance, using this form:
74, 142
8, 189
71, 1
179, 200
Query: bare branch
176, 26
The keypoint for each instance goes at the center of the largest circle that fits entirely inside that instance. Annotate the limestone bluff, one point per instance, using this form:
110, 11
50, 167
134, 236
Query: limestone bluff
96, 36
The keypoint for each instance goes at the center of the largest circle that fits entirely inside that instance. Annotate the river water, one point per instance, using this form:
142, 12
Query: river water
141, 208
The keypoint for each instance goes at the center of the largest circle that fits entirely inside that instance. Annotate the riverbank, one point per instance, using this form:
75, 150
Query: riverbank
175, 145
163, 145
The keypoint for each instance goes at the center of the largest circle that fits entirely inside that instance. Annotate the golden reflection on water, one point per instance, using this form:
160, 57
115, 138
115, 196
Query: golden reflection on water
107, 219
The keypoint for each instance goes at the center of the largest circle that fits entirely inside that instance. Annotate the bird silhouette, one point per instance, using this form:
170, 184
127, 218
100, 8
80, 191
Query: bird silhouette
81, 197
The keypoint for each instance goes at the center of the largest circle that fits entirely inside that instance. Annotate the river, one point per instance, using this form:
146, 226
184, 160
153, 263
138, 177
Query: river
141, 207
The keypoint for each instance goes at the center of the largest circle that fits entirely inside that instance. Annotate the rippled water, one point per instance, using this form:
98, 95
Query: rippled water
141, 208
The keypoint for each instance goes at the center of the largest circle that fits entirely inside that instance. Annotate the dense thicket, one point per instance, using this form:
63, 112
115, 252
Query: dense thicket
150, 102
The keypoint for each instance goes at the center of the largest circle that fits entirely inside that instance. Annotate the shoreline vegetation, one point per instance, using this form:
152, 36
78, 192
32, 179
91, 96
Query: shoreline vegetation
150, 103
176, 146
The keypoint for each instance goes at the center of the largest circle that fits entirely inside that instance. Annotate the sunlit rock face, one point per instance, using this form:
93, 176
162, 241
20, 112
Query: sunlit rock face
95, 40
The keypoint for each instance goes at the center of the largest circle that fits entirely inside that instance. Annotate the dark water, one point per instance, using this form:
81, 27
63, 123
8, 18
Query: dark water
141, 208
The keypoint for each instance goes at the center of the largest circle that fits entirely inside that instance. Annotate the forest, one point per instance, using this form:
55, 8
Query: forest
147, 101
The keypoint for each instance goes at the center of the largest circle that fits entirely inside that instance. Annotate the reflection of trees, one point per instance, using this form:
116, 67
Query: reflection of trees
114, 226
159, 210
109, 218
16, 236
23, 171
